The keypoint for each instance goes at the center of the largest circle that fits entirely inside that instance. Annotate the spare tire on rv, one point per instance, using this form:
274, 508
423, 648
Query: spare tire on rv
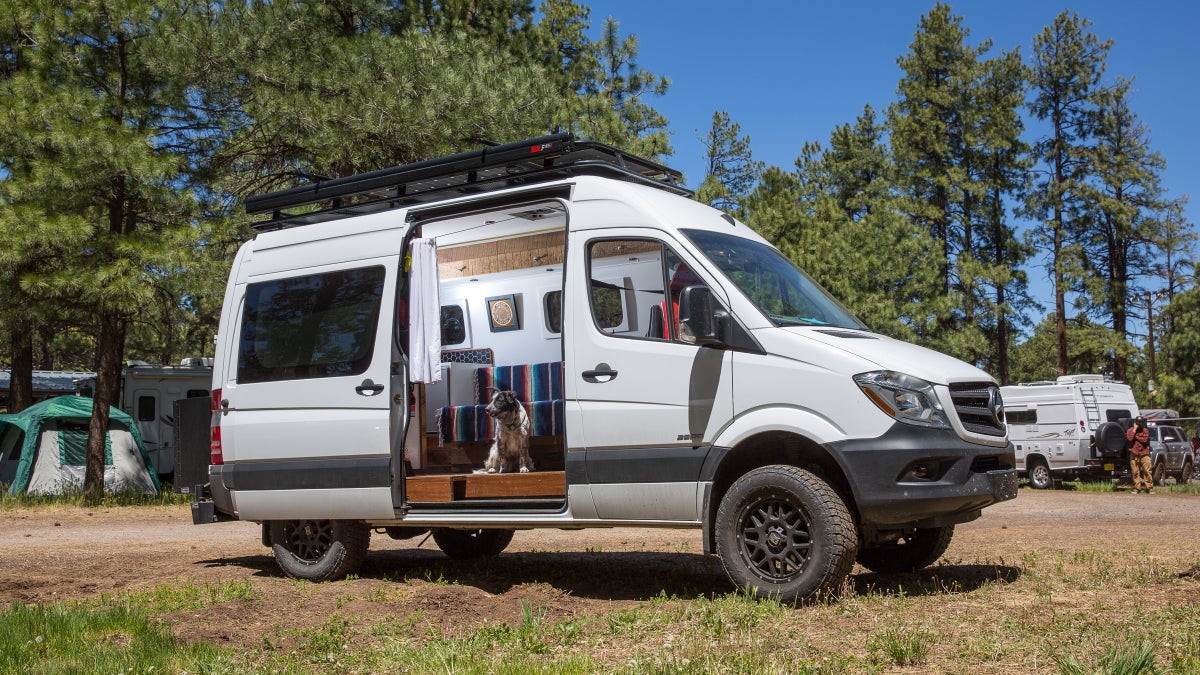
1110, 438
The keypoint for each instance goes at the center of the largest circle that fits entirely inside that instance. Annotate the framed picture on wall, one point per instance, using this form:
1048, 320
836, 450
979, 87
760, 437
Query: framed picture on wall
502, 313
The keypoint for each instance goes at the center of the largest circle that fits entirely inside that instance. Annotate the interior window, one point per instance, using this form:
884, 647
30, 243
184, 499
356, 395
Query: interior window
552, 309
317, 325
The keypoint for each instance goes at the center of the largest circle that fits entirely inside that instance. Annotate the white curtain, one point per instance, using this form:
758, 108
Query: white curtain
424, 314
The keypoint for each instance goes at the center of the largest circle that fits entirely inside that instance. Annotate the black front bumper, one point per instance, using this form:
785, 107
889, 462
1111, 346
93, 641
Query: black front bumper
916, 477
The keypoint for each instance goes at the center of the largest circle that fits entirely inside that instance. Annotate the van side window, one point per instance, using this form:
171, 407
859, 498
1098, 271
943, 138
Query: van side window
1117, 415
197, 393
317, 325
145, 408
1021, 416
635, 286
454, 325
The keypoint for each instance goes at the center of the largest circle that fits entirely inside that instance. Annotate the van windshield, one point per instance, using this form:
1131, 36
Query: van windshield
788, 296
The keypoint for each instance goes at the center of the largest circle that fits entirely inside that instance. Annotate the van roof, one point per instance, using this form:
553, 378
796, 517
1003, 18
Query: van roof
526, 162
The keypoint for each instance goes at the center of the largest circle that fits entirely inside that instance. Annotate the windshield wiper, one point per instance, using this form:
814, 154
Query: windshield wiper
797, 320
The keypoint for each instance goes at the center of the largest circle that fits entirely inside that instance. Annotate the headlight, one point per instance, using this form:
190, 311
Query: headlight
903, 397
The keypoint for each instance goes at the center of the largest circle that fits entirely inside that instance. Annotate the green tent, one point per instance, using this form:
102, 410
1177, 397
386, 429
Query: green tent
43, 449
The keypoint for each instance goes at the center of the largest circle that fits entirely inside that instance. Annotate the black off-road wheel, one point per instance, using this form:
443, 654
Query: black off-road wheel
319, 550
909, 553
1039, 474
471, 544
785, 533
1185, 476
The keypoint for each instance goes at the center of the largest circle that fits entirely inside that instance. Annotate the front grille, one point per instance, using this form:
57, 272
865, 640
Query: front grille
979, 407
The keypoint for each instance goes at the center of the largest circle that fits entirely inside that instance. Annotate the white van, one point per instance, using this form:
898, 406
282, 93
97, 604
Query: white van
767, 415
1071, 427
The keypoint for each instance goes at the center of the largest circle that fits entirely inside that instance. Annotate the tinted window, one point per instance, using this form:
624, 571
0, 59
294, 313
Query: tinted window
552, 308
454, 326
197, 393
1117, 415
145, 408
1020, 416
320, 325
1171, 435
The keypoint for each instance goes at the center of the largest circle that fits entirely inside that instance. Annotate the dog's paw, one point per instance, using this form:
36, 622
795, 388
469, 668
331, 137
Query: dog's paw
524, 469
491, 471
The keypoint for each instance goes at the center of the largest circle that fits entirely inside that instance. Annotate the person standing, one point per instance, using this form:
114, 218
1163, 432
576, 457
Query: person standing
1139, 456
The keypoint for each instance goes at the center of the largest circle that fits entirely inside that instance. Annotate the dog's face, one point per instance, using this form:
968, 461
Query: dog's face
504, 404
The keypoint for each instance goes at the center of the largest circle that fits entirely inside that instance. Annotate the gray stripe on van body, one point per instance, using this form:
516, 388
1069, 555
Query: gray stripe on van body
309, 474
680, 464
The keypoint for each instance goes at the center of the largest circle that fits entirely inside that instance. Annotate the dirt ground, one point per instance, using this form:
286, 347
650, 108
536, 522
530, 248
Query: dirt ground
56, 553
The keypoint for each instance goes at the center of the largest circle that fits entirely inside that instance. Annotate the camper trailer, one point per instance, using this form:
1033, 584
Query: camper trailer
552, 334
1070, 427
147, 394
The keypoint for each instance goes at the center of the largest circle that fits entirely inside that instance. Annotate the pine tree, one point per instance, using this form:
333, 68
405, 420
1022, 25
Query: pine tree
731, 169
99, 134
1068, 62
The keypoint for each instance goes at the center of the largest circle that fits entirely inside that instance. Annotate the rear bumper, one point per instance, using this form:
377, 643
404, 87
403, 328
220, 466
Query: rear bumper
914, 477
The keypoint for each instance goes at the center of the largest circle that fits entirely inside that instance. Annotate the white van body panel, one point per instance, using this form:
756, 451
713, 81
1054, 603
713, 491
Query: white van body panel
339, 504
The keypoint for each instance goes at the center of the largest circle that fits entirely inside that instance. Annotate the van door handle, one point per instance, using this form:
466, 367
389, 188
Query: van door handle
368, 388
602, 370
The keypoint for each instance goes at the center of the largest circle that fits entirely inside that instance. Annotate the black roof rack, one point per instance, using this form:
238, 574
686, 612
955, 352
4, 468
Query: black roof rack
525, 162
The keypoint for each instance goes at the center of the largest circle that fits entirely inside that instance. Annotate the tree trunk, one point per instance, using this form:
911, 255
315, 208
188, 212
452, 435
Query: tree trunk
108, 383
20, 382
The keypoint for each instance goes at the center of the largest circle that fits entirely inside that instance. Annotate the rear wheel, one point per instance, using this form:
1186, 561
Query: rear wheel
471, 544
319, 550
785, 533
909, 553
1039, 474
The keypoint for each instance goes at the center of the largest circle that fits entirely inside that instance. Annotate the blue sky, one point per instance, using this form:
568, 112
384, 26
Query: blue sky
789, 72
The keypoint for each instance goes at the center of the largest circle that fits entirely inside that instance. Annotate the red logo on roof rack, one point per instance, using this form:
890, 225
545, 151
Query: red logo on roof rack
540, 148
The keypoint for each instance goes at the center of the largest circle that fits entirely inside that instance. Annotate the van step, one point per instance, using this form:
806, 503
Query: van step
455, 487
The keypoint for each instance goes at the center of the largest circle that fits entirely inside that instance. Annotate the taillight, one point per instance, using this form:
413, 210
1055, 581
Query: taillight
214, 430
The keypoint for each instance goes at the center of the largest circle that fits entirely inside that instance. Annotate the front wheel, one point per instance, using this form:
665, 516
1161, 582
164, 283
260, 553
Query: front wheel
1039, 474
471, 544
1186, 475
319, 550
909, 553
785, 533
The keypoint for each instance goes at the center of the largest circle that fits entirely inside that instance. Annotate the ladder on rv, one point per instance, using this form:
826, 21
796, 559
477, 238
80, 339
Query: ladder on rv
1090, 406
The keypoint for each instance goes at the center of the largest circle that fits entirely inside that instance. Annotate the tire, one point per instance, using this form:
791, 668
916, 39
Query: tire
471, 544
786, 534
319, 550
1110, 438
1158, 475
1185, 476
909, 553
1039, 474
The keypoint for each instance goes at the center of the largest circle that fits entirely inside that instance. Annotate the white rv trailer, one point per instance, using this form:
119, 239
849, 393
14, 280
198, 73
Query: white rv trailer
677, 371
147, 394
1070, 427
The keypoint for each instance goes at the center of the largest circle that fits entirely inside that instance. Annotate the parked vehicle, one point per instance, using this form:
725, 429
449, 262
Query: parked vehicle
1171, 454
675, 369
1068, 428
147, 394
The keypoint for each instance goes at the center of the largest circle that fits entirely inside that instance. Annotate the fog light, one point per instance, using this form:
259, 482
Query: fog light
921, 471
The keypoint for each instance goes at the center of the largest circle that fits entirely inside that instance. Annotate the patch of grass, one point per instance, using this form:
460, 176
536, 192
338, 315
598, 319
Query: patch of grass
72, 638
1138, 660
75, 498
900, 646
181, 594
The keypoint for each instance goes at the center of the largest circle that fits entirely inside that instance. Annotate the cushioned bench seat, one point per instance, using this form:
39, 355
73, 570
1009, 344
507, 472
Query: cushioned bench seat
537, 385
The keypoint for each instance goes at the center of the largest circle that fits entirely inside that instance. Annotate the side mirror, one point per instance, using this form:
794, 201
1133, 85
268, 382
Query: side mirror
700, 315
